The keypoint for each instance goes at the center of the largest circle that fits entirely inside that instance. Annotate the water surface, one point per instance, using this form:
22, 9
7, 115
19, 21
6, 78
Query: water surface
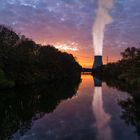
93, 113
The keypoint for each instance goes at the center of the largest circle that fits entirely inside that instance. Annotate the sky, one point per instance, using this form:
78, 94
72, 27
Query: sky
67, 24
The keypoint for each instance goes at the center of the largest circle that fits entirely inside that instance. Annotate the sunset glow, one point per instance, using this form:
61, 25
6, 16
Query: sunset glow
66, 47
68, 25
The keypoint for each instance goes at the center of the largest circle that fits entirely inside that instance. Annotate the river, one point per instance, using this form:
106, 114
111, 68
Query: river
93, 113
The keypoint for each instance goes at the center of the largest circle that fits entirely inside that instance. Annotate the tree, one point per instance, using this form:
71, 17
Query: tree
129, 53
7, 40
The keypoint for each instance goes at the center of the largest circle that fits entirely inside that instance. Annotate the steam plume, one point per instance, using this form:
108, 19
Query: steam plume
102, 19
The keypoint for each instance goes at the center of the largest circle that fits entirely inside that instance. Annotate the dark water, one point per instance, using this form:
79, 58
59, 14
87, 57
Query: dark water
93, 113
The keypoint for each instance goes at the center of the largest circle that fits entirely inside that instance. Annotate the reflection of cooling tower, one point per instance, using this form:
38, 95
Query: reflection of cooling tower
97, 61
102, 118
97, 82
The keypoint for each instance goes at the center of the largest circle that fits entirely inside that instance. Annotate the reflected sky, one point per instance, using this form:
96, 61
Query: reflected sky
93, 113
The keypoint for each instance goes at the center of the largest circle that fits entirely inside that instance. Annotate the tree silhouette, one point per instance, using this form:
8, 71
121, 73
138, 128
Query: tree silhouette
129, 53
24, 62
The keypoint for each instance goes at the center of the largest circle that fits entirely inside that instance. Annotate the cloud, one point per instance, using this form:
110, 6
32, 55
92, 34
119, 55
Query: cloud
71, 20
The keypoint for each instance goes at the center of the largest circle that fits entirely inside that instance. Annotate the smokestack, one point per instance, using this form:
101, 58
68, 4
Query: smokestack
97, 61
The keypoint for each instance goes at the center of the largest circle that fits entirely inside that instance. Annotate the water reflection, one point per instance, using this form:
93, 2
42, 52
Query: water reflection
64, 112
130, 112
19, 108
102, 118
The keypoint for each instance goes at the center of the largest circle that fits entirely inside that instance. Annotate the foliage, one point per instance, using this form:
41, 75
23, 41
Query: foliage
126, 70
24, 62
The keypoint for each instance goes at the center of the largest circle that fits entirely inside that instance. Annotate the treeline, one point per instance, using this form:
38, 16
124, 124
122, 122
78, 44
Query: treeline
127, 70
23, 62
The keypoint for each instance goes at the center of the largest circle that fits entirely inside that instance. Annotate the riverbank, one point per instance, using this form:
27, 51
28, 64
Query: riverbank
126, 71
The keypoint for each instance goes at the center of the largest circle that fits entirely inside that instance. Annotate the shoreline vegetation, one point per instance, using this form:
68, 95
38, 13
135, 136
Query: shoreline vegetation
23, 62
124, 72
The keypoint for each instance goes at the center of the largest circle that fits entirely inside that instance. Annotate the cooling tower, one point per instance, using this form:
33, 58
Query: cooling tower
97, 61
